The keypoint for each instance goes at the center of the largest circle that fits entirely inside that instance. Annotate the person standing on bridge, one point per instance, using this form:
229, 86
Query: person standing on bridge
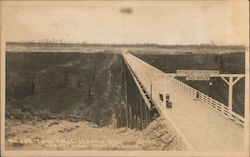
197, 95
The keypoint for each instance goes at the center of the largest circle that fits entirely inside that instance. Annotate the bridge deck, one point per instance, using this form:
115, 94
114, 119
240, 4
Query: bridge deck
203, 128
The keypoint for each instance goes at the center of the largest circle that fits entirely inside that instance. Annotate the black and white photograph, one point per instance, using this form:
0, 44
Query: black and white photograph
125, 78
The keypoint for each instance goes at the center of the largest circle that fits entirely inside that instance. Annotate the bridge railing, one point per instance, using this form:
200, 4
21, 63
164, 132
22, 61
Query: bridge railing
218, 106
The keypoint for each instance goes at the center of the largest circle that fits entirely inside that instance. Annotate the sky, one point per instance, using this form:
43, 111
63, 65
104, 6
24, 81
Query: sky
162, 22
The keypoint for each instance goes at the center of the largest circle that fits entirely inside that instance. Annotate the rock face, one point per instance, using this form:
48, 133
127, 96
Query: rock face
86, 85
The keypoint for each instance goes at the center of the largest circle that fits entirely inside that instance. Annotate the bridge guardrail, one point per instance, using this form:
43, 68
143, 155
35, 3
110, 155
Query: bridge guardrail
219, 107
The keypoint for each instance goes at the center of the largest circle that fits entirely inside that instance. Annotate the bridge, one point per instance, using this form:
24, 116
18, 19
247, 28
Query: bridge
201, 123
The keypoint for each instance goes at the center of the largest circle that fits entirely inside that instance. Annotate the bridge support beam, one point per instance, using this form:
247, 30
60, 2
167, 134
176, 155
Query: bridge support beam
141, 114
129, 116
147, 118
136, 111
132, 116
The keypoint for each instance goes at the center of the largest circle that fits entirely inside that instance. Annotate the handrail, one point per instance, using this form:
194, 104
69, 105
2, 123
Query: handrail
219, 107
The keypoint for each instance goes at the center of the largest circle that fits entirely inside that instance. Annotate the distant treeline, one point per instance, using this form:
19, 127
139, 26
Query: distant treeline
65, 44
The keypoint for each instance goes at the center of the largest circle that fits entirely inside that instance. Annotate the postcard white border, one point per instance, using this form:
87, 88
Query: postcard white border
115, 153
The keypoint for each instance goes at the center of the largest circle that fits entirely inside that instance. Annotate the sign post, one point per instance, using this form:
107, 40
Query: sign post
230, 83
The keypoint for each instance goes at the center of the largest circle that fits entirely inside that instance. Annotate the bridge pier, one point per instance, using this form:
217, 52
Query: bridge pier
136, 112
131, 117
141, 112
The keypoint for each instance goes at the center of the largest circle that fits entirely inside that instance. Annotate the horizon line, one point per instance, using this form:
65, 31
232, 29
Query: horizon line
100, 43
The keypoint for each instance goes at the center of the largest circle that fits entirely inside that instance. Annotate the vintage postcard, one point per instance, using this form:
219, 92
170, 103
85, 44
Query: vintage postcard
125, 78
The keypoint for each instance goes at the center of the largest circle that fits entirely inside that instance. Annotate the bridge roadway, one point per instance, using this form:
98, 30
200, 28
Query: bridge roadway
200, 126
